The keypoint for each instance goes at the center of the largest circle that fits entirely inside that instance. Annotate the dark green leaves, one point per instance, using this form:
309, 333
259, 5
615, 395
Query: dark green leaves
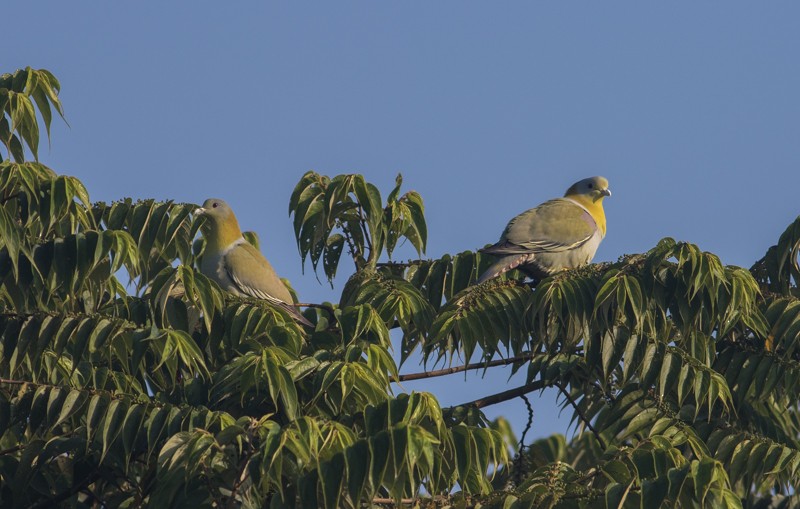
162, 232
780, 267
484, 317
396, 301
404, 216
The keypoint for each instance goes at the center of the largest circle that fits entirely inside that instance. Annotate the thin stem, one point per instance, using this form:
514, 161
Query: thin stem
409, 501
580, 413
329, 309
349, 239
391, 501
409, 263
365, 229
243, 474
529, 424
4, 199
13, 449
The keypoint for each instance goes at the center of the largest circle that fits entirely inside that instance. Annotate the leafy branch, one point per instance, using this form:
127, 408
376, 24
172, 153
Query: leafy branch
19, 92
331, 212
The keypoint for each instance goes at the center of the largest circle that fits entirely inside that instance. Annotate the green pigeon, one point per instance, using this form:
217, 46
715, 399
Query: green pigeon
235, 264
559, 234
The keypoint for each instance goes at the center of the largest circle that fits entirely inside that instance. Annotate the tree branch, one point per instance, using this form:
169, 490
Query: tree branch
348, 238
16, 448
240, 479
529, 424
506, 395
466, 367
392, 502
436, 499
4, 199
373, 257
409, 263
64, 495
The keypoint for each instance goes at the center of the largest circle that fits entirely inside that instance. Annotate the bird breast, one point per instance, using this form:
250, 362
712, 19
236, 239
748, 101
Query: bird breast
213, 266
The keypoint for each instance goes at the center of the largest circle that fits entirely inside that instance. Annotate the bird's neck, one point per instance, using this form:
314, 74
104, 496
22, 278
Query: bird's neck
226, 234
595, 208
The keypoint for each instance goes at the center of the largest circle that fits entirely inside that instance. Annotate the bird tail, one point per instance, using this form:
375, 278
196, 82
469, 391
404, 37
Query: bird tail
499, 267
295, 314
503, 265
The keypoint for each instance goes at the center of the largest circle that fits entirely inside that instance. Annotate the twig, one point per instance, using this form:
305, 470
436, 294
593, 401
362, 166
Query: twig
581, 415
365, 229
354, 253
53, 502
530, 422
458, 369
409, 263
13, 449
391, 501
4, 199
243, 474
329, 309
506, 395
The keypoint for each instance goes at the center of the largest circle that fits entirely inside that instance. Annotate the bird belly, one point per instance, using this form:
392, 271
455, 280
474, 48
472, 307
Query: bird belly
214, 268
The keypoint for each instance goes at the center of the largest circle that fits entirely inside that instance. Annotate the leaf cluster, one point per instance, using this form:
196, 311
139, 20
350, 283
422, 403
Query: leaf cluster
22, 94
345, 211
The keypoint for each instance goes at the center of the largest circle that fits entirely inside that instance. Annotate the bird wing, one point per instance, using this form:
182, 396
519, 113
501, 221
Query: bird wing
253, 275
554, 226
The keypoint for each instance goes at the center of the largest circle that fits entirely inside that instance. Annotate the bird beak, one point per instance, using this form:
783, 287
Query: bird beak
600, 193
199, 211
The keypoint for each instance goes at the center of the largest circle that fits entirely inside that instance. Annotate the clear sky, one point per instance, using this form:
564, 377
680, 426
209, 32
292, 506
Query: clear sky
690, 109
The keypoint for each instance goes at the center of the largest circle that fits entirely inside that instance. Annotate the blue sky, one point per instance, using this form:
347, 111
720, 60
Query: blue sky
690, 109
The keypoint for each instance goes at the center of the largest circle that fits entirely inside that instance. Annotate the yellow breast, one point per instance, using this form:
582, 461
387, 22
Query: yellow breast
595, 208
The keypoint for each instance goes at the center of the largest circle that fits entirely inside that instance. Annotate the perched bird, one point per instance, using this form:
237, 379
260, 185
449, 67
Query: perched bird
235, 264
559, 234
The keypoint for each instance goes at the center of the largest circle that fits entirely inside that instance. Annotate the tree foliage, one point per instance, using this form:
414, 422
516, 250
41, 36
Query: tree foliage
129, 379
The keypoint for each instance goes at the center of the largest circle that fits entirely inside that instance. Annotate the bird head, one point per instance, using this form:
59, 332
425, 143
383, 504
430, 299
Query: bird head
593, 189
220, 227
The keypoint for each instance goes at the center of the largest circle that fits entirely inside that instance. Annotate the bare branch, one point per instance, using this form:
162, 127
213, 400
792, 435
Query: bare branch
507, 395
466, 367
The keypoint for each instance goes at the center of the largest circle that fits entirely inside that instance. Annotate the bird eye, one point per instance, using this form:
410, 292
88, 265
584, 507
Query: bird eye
215, 205
590, 186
